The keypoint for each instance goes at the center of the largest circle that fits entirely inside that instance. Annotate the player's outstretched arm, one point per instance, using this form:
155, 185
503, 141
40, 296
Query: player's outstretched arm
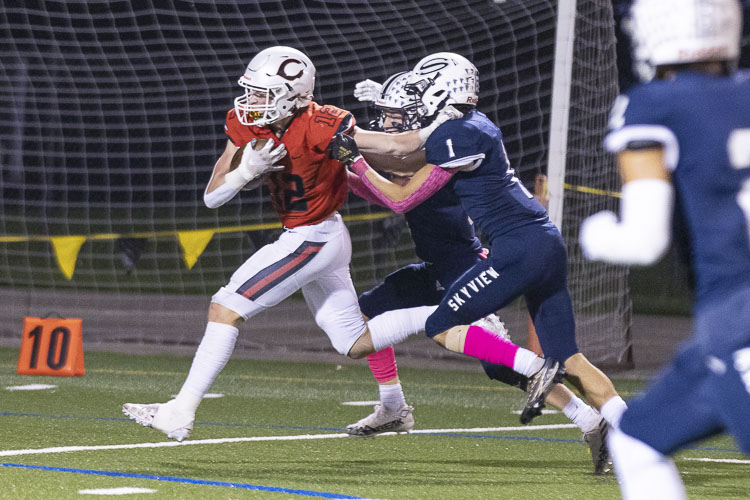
404, 143
643, 233
399, 198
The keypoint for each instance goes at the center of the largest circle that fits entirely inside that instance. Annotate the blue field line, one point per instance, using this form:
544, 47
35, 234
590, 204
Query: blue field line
243, 486
339, 429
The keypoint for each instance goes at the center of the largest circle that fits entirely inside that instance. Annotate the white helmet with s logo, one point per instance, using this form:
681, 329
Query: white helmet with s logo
441, 79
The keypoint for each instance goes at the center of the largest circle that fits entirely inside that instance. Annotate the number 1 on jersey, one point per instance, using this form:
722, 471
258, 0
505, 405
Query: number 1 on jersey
449, 143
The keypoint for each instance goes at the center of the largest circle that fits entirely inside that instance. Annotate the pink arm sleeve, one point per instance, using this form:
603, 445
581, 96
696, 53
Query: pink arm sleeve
358, 188
438, 178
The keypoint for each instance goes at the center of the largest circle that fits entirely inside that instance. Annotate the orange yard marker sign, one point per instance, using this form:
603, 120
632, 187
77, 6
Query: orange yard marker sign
51, 346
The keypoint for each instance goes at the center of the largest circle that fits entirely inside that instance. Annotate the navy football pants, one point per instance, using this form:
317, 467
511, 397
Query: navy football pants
417, 285
531, 262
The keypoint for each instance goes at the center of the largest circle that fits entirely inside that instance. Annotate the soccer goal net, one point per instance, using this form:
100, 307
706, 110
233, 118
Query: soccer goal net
111, 118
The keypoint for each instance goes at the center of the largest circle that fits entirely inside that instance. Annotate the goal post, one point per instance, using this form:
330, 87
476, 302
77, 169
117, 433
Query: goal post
559, 110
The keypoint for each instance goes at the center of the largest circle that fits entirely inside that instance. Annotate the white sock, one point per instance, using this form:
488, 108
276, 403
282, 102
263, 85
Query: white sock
643, 472
526, 362
581, 414
613, 409
210, 358
392, 396
392, 327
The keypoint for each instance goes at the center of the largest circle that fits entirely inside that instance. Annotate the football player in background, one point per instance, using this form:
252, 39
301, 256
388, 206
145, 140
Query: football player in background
683, 146
445, 241
313, 253
527, 258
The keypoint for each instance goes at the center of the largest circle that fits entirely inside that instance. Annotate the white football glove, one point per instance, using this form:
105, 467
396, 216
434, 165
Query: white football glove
595, 232
256, 163
367, 90
445, 114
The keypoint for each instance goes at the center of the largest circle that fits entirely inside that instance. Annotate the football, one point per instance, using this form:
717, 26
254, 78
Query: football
238, 154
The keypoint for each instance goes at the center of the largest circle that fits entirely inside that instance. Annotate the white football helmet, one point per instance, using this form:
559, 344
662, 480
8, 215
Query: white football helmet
666, 32
395, 100
440, 79
278, 81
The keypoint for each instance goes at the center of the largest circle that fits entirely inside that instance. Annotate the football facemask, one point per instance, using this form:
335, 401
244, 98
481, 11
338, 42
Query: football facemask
396, 109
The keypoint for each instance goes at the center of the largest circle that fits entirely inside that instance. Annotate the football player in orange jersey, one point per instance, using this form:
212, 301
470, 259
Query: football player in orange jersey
314, 251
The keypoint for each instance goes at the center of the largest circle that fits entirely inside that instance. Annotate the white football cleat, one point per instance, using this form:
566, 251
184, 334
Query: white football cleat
164, 417
492, 323
539, 386
383, 420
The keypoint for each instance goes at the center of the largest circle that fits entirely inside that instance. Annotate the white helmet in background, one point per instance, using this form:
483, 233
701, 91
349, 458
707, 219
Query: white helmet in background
666, 32
394, 99
278, 81
443, 78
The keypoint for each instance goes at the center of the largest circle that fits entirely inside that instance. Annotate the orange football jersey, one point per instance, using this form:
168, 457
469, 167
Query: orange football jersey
312, 186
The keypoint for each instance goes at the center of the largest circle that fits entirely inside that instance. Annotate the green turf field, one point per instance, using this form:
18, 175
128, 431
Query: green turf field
302, 405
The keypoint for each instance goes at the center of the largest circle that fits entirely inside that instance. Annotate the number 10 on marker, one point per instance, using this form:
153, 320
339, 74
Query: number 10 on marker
51, 346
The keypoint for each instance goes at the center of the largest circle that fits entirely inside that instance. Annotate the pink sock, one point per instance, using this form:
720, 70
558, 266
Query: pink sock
383, 365
488, 346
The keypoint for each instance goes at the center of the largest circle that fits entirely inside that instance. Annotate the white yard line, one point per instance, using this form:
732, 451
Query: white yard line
719, 460
299, 437
115, 491
30, 387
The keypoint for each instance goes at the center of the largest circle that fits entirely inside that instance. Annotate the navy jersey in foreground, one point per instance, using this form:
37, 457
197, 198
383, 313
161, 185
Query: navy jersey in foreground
703, 122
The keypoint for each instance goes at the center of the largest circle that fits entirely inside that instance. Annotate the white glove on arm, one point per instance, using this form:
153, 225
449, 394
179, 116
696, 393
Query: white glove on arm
445, 114
642, 236
367, 90
255, 163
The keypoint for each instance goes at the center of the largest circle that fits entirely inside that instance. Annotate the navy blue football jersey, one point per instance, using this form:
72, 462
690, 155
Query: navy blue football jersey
490, 193
442, 232
703, 123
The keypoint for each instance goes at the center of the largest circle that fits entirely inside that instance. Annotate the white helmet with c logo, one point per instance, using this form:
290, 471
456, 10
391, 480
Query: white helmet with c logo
278, 81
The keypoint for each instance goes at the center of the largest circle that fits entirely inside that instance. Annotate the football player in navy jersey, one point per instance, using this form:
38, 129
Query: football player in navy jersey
528, 257
683, 145
445, 241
